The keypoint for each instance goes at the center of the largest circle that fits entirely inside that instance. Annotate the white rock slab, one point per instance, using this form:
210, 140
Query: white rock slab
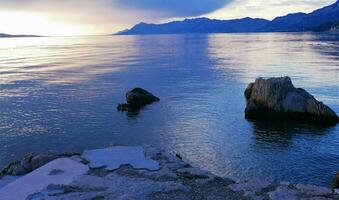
63, 171
112, 158
5, 180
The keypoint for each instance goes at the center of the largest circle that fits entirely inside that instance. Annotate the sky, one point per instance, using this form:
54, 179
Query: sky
93, 17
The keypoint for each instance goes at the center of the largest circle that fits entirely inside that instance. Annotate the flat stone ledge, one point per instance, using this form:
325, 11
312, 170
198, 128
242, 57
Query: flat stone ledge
143, 173
112, 158
283, 192
313, 190
42, 178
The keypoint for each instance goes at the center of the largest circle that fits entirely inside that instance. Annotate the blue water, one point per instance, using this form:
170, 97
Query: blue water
60, 94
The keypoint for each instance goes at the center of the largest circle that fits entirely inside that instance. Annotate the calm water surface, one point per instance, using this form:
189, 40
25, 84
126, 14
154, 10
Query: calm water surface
60, 94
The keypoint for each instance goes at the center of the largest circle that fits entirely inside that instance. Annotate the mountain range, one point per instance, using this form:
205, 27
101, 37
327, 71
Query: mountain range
2, 35
323, 19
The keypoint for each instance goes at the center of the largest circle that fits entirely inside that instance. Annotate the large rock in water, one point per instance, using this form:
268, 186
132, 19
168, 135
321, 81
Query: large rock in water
136, 99
278, 98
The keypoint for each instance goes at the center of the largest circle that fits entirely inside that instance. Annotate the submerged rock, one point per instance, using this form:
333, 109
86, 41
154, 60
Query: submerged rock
278, 98
136, 99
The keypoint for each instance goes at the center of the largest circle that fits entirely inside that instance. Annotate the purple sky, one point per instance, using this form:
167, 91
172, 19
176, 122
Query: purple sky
83, 17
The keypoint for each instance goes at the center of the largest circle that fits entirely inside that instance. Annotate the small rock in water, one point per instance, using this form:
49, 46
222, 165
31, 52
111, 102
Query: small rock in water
139, 97
123, 107
136, 99
278, 98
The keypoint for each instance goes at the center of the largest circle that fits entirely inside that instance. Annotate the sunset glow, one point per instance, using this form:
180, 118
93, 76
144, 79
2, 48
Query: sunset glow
35, 24
73, 17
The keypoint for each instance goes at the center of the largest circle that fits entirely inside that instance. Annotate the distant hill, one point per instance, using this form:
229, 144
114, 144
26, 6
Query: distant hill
305, 22
295, 22
331, 27
2, 35
200, 25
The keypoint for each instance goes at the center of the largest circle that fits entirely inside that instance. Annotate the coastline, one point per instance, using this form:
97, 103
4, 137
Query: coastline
140, 173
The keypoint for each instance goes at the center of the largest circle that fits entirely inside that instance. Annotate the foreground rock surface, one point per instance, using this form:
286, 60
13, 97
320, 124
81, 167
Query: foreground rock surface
31, 162
136, 99
116, 173
59, 172
278, 98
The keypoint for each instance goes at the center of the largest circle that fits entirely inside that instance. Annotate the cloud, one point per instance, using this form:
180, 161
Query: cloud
165, 8
268, 9
117, 10
108, 16
172, 8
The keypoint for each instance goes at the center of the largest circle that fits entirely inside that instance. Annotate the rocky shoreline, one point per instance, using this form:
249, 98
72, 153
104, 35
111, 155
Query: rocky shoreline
135, 173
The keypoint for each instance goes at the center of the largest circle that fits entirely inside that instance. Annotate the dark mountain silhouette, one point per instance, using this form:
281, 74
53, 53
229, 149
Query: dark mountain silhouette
295, 22
200, 25
305, 22
2, 35
331, 26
